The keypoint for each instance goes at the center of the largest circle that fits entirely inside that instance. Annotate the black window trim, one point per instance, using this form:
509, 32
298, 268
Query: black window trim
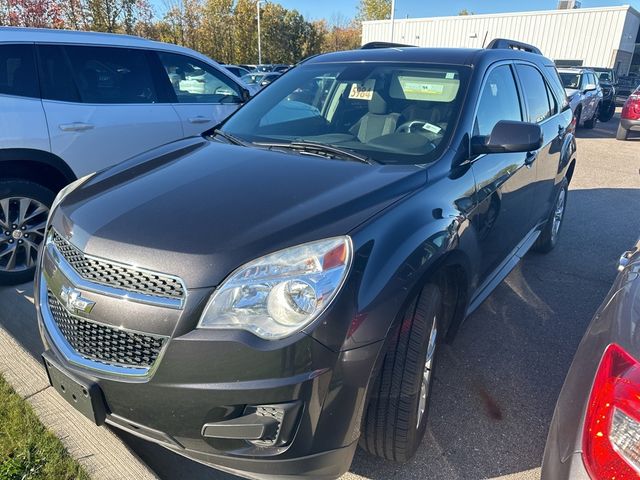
69, 67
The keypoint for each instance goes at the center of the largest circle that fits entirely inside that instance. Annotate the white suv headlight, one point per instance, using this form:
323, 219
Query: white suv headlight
281, 293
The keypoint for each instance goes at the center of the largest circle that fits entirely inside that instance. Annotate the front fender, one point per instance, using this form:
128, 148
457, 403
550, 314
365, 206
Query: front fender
397, 251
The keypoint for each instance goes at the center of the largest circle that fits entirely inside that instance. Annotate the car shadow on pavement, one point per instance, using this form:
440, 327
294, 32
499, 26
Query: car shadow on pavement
497, 383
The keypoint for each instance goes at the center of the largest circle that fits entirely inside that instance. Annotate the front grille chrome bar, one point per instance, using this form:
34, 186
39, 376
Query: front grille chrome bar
76, 279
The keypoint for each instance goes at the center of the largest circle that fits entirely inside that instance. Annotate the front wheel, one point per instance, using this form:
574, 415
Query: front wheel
591, 123
549, 236
607, 111
396, 417
24, 207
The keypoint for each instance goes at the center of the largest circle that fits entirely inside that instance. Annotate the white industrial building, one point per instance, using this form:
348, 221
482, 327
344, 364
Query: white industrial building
599, 37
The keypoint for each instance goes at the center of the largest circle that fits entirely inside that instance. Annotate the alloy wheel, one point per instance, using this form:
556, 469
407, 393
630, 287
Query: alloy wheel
428, 369
22, 227
558, 214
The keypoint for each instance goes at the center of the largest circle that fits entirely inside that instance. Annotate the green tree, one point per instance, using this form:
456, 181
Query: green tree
464, 12
245, 47
374, 10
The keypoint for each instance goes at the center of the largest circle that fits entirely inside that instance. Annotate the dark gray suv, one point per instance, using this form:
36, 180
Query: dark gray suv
267, 297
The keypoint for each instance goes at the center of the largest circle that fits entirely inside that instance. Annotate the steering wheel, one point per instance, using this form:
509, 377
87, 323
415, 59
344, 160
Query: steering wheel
410, 127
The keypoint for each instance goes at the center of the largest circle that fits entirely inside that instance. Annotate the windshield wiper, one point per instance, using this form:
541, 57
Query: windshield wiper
322, 150
231, 138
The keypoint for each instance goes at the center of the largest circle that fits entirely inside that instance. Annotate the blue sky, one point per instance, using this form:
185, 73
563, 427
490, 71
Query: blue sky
427, 8
328, 9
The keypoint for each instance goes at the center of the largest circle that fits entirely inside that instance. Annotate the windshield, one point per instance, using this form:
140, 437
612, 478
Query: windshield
389, 112
571, 80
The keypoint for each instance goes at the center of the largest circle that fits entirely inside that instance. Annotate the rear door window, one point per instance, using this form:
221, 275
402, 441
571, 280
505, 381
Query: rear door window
556, 86
56, 76
498, 101
535, 93
18, 71
108, 75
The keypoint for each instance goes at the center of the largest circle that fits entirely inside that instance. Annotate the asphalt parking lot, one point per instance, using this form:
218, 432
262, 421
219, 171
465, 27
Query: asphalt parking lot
497, 383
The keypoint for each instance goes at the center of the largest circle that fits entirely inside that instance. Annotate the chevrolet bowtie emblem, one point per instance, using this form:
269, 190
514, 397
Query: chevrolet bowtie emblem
74, 301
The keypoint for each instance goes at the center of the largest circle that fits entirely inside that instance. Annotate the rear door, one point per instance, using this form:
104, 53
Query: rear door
505, 181
204, 95
102, 105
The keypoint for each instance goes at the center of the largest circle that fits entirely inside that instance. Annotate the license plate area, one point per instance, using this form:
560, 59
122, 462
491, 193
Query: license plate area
85, 397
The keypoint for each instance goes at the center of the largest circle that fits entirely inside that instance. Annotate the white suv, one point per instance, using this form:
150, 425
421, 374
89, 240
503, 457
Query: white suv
72, 103
584, 93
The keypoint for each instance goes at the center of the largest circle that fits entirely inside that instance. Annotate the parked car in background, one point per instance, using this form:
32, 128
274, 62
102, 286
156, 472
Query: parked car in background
595, 431
630, 115
608, 79
626, 85
237, 70
251, 68
318, 263
584, 93
264, 68
280, 68
260, 79
73, 103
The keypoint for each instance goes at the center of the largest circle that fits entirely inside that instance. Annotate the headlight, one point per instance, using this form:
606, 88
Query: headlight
281, 293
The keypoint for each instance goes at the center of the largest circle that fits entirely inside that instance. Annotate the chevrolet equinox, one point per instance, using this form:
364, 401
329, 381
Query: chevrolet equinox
268, 296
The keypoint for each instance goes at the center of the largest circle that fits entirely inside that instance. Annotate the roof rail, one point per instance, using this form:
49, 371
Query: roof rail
513, 45
374, 45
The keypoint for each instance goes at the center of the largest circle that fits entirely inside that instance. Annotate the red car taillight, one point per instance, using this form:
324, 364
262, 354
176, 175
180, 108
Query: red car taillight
611, 437
631, 108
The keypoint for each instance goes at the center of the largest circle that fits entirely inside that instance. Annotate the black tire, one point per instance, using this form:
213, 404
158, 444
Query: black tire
390, 424
591, 123
607, 111
10, 189
578, 114
622, 133
548, 238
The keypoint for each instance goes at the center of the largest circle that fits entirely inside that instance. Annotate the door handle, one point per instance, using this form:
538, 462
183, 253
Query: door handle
75, 127
531, 157
199, 119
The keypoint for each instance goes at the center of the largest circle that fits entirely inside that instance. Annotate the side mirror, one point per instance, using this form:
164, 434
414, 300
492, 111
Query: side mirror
508, 136
590, 87
246, 95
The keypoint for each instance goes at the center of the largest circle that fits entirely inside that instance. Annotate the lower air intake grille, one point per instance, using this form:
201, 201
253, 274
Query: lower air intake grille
104, 344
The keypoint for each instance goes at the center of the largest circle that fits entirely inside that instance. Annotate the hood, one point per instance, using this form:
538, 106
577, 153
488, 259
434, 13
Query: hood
200, 209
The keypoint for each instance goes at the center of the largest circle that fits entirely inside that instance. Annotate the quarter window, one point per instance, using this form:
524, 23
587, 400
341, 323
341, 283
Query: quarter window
18, 71
535, 93
499, 101
194, 81
112, 75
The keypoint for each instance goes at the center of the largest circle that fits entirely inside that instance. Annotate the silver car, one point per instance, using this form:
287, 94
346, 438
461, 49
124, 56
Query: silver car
584, 94
595, 431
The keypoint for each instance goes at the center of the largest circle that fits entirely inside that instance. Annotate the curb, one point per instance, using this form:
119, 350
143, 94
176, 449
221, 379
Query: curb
100, 452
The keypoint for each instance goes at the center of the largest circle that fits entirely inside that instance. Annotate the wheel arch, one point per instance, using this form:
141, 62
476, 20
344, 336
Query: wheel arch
38, 166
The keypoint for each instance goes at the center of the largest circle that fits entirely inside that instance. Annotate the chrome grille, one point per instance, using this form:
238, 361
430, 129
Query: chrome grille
104, 344
114, 275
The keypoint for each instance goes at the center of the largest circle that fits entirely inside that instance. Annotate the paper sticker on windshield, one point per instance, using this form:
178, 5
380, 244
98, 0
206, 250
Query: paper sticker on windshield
361, 92
432, 89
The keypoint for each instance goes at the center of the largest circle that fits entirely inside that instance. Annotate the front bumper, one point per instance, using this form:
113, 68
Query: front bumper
208, 377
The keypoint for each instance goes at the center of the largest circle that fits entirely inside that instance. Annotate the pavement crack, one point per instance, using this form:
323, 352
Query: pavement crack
36, 392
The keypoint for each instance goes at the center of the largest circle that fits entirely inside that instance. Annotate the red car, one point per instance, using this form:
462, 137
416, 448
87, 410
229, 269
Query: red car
630, 116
